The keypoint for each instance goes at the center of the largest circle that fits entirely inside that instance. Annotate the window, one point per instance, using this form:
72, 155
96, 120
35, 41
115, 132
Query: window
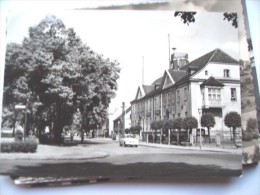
214, 94
178, 96
233, 94
206, 72
185, 94
226, 73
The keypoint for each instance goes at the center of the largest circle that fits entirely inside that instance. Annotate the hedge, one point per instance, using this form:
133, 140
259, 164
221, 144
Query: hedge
28, 145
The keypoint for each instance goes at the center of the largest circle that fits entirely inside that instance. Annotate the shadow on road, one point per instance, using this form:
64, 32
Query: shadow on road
132, 170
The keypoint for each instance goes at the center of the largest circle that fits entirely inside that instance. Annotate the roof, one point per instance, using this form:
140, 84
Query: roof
126, 111
183, 74
148, 88
157, 81
211, 81
216, 55
177, 74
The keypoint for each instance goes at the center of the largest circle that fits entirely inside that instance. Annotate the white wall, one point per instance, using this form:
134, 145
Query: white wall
217, 70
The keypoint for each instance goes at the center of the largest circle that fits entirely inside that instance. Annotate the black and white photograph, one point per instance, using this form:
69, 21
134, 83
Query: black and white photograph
125, 92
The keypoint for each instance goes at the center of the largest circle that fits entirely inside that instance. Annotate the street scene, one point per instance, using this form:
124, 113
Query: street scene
84, 102
105, 158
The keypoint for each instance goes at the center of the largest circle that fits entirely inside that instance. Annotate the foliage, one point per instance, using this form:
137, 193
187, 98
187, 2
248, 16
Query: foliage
167, 124
177, 123
28, 145
135, 129
231, 17
208, 120
52, 66
46, 138
189, 123
188, 17
157, 125
232, 120
248, 135
251, 130
18, 135
251, 124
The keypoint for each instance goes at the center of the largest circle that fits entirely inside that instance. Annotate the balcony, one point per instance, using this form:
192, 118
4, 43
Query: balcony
212, 104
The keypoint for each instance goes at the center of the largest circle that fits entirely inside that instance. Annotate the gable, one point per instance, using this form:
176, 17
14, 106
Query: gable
138, 94
167, 80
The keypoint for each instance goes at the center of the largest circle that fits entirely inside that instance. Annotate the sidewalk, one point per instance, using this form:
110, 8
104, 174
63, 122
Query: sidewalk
205, 147
48, 152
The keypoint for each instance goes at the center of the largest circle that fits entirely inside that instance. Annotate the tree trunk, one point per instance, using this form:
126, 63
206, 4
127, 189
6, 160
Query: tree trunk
234, 135
188, 135
169, 136
161, 137
209, 133
57, 133
230, 134
178, 137
82, 136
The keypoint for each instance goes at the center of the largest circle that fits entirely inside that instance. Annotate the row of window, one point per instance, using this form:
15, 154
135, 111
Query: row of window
226, 73
167, 103
215, 94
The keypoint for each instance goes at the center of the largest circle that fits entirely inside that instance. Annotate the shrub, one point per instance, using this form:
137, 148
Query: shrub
251, 124
18, 135
28, 145
46, 139
251, 130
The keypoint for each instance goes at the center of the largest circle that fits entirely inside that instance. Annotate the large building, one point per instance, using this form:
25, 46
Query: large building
210, 83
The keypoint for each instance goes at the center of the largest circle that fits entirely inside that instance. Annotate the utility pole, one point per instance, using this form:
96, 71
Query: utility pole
169, 47
142, 70
123, 118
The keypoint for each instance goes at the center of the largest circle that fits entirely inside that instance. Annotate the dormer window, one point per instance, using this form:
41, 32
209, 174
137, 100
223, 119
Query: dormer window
226, 73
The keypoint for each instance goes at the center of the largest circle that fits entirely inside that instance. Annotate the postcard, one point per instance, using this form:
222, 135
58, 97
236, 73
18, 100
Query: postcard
120, 93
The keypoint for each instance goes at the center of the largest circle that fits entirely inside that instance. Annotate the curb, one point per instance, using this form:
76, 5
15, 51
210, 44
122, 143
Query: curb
204, 149
4, 156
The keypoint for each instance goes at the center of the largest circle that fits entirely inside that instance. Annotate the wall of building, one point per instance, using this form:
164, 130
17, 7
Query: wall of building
217, 70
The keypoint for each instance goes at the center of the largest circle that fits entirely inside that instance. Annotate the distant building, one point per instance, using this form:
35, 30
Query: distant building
211, 83
117, 123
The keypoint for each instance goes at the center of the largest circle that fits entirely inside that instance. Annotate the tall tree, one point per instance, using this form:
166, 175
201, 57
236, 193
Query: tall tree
233, 120
58, 70
189, 123
177, 124
207, 120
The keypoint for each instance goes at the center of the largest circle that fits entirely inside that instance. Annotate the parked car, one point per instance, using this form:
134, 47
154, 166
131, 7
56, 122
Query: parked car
128, 140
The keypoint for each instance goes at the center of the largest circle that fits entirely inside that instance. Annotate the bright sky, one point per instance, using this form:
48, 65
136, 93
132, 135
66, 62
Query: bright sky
128, 36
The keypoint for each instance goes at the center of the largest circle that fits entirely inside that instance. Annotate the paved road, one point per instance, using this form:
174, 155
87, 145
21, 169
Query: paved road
132, 162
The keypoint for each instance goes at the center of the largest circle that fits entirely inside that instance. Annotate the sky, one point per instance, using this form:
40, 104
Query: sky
135, 38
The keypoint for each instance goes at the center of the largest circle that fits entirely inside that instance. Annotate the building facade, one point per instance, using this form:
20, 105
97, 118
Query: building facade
123, 121
210, 83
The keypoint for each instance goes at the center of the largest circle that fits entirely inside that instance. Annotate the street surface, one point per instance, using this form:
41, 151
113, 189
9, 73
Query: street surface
124, 162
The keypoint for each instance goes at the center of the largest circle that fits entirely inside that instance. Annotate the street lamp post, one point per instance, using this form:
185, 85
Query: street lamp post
118, 129
199, 111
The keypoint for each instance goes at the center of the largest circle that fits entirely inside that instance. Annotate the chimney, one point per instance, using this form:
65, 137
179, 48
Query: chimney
173, 62
178, 60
